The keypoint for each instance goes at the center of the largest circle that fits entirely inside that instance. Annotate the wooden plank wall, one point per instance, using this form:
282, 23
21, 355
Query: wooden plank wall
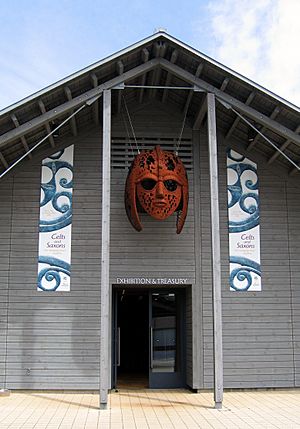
257, 327
5, 230
157, 251
189, 338
53, 338
293, 202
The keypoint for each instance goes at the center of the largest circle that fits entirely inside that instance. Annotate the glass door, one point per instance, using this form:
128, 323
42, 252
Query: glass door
167, 363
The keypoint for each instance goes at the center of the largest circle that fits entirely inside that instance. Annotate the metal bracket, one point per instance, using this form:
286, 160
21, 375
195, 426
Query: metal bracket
119, 86
198, 89
226, 105
92, 100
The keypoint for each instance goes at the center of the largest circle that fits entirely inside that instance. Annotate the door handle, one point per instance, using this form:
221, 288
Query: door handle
119, 347
151, 347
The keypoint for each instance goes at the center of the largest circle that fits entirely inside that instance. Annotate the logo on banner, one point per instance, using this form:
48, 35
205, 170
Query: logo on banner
243, 223
55, 222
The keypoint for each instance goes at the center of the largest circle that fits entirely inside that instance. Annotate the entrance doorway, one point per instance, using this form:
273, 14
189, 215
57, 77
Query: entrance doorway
149, 338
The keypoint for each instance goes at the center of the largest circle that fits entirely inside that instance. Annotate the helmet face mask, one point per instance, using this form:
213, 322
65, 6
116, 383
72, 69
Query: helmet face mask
156, 184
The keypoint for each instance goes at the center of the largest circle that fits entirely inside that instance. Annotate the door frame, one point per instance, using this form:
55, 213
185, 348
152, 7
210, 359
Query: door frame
157, 382
165, 380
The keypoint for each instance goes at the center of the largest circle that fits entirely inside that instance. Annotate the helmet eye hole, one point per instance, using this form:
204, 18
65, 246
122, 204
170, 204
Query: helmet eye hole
148, 184
170, 185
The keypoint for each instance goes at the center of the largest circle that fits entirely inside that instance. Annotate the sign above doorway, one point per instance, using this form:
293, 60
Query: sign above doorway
151, 281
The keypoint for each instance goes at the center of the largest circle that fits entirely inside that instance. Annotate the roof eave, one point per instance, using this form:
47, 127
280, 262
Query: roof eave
81, 72
138, 45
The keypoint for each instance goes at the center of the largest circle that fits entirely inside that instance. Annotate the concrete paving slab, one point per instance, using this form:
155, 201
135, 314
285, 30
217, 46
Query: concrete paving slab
151, 409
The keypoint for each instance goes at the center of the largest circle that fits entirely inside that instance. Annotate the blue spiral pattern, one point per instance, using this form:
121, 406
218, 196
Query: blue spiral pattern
245, 272
57, 268
234, 156
52, 195
57, 155
238, 195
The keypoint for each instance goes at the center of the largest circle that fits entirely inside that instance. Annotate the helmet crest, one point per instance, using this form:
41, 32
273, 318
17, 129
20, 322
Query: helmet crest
156, 184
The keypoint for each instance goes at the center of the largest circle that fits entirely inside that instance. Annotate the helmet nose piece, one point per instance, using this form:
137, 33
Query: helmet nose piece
160, 190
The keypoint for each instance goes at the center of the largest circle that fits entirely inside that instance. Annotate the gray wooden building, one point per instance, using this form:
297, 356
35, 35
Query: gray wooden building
158, 91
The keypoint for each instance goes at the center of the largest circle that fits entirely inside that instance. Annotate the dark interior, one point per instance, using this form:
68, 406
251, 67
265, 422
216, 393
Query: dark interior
133, 321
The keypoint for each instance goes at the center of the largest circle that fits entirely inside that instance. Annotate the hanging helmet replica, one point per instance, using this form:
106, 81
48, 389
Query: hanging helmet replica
156, 184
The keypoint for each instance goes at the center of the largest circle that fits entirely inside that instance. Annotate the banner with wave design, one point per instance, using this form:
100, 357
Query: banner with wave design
243, 223
55, 222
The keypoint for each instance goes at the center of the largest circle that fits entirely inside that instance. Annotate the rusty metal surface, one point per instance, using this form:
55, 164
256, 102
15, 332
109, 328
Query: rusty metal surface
157, 184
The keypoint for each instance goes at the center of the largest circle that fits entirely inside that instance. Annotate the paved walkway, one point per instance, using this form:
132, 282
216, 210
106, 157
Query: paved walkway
151, 409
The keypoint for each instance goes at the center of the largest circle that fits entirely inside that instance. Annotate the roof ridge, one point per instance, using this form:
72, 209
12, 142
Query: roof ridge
156, 35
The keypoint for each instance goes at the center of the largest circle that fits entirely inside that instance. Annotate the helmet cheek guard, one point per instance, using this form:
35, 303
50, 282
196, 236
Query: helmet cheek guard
156, 184
130, 202
181, 214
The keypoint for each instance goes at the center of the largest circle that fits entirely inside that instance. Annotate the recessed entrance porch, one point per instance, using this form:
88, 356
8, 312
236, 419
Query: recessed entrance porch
149, 338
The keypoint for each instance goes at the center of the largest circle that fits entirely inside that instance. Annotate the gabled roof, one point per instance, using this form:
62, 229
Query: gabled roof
158, 60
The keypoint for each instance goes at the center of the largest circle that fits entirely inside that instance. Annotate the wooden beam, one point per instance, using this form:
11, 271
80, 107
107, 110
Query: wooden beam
73, 123
159, 52
105, 249
3, 160
231, 101
197, 286
95, 106
145, 55
294, 170
120, 69
78, 101
191, 93
224, 84
216, 252
23, 139
163, 49
173, 60
201, 114
282, 148
237, 119
203, 108
256, 138
145, 58
46, 124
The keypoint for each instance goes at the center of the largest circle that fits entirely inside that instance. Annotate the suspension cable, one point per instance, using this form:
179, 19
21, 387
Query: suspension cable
130, 123
181, 132
43, 139
127, 132
228, 106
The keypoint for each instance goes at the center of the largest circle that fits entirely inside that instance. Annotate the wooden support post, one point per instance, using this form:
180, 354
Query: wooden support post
47, 125
197, 287
282, 148
273, 115
216, 254
145, 57
120, 68
72, 122
23, 139
3, 160
200, 115
237, 119
96, 104
105, 287
191, 93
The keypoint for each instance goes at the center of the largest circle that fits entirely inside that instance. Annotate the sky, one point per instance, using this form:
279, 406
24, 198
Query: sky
43, 41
